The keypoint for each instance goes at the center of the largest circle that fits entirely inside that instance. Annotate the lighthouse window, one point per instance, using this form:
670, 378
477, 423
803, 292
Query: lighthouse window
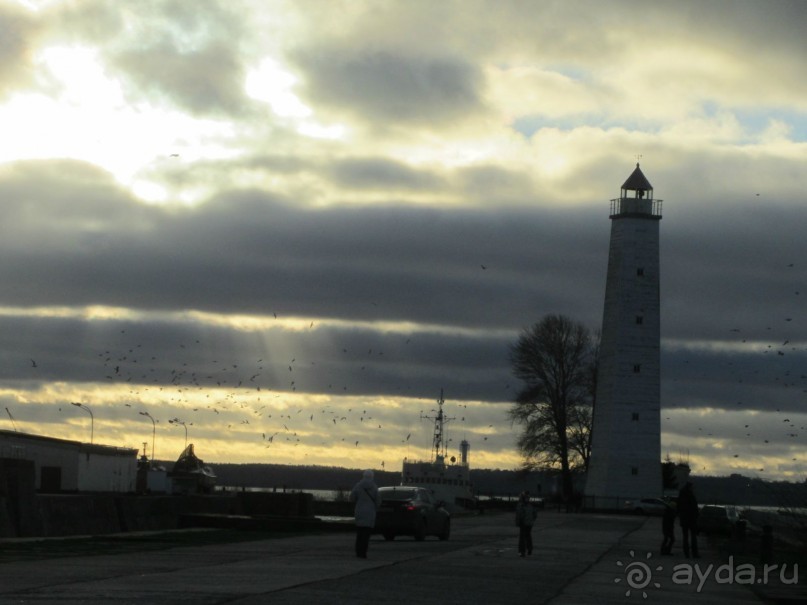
634, 470
639, 320
640, 272
637, 367
635, 416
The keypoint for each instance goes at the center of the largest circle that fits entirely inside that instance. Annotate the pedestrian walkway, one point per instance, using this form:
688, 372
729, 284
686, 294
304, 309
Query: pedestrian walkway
633, 570
578, 558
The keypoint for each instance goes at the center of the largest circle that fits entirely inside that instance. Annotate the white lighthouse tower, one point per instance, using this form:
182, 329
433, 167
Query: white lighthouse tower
626, 435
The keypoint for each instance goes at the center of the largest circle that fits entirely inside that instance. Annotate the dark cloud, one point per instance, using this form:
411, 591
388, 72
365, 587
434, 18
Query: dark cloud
204, 81
63, 205
744, 378
164, 51
577, 32
461, 253
254, 252
727, 274
251, 252
384, 175
390, 88
18, 33
496, 185
776, 27
180, 353
169, 51
96, 21
482, 274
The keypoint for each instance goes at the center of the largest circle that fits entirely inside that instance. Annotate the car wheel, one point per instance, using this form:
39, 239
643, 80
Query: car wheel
446, 530
420, 530
389, 537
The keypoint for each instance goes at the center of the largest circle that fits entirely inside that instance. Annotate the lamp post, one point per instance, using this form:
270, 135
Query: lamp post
153, 433
185, 426
92, 419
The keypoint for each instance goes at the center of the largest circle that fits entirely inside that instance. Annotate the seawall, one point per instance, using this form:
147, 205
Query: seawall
26, 513
48, 515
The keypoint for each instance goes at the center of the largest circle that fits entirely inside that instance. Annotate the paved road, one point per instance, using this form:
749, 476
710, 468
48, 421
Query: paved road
577, 559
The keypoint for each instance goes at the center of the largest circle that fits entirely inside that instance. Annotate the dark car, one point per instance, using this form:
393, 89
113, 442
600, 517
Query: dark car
411, 511
719, 519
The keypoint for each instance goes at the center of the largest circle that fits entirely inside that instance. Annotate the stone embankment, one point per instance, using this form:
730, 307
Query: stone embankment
51, 515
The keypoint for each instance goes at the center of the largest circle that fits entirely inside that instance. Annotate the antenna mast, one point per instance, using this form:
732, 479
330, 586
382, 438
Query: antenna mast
438, 441
12, 420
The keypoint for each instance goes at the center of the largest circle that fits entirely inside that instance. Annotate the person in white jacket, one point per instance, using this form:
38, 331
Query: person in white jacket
365, 495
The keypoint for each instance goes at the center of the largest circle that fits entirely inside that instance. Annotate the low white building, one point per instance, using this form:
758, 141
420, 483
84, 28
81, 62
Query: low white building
72, 466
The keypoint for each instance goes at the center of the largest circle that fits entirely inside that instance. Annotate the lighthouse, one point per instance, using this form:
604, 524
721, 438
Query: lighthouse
625, 459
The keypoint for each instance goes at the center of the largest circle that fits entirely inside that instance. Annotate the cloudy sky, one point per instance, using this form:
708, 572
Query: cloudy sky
290, 224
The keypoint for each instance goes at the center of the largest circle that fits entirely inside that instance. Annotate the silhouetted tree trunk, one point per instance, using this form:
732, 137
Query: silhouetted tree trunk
582, 417
554, 359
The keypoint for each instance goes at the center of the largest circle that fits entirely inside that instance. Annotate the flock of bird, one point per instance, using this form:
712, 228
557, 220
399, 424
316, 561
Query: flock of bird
252, 402
253, 397
767, 372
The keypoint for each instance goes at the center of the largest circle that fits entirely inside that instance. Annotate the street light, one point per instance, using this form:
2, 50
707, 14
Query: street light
92, 419
185, 426
153, 433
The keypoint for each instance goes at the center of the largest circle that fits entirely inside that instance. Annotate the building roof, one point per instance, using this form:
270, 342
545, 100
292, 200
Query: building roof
637, 181
94, 448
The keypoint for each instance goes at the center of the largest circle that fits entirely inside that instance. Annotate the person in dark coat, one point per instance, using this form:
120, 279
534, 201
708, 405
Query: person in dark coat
525, 518
365, 495
668, 529
688, 517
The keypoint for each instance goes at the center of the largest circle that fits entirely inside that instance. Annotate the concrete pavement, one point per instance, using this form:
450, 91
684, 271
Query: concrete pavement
578, 558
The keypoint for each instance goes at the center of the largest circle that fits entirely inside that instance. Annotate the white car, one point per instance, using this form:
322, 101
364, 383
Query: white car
646, 506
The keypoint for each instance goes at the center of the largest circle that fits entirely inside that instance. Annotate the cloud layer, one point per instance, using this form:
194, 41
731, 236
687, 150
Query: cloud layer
350, 207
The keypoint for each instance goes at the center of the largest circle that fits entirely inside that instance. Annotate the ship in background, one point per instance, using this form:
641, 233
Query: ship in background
449, 482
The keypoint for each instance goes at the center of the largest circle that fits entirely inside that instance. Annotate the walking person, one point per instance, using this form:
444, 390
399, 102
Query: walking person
668, 528
365, 495
688, 516
525, 518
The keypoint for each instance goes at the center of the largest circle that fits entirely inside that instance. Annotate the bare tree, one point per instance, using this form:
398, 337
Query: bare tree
582, 414
581, 417
556, 360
